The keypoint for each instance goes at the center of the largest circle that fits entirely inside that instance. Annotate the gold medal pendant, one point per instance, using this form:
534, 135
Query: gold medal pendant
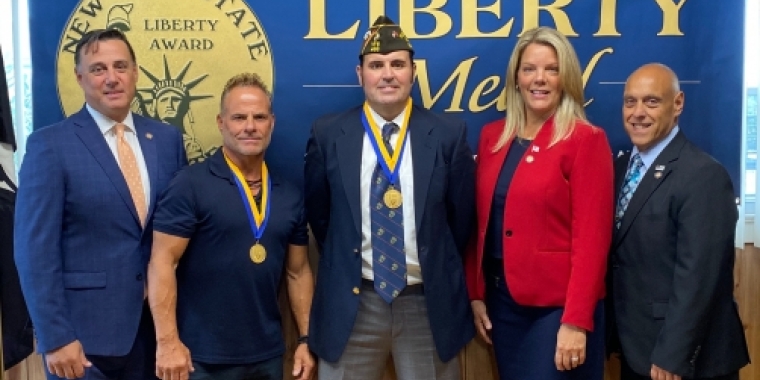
393, 198
258, 253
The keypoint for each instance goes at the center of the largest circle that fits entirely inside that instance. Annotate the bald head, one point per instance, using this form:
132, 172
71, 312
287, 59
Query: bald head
659, 72
652, 103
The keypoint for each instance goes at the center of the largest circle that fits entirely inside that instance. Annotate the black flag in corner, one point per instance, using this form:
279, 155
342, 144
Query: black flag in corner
6, 121
17, 336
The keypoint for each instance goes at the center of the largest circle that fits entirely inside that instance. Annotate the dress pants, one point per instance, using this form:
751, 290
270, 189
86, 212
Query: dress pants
525, 337
626, 373
270, 369
401, 330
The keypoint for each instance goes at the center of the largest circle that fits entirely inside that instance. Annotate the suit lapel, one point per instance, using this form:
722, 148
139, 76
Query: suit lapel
349, 152
145, 135
423, 160
655, 176
93, 139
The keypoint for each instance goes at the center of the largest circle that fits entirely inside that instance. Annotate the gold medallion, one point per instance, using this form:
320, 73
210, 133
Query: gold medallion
393, 198
258, 253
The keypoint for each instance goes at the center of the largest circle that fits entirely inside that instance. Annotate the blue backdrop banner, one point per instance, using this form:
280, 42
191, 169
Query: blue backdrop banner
307, 51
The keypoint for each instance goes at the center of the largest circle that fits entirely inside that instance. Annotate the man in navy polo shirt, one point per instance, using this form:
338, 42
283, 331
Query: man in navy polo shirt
228, 227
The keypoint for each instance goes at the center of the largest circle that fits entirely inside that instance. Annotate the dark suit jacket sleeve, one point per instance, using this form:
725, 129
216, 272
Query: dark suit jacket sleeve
591, 184
461, 195
37, 238
706, 219
317, 189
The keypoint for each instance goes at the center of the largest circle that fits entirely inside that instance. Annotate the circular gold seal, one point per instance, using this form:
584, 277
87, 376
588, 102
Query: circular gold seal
393, 198
258, 253
185, 51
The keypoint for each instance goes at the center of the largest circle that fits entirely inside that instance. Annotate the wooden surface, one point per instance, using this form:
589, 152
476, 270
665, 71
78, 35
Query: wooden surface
29, 369
747, 292
476, 359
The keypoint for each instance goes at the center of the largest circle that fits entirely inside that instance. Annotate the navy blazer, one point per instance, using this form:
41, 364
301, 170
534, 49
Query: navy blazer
79, 246
672, 265
444, 195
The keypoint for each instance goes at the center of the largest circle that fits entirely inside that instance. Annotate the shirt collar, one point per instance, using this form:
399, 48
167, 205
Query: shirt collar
105, 124
217, 165
380, 121
650, 155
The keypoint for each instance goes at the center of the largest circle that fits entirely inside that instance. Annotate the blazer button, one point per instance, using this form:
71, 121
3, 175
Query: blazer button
356, 250
356, 290
508, 233
139, 277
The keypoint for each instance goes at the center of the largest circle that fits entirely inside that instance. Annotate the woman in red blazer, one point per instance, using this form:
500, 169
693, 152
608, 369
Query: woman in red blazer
535, 273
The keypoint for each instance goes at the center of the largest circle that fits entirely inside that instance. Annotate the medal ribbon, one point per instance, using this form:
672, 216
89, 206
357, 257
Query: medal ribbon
256, 218
390, 164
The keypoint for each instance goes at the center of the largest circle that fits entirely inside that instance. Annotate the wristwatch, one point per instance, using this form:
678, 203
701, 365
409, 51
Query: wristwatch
303, 339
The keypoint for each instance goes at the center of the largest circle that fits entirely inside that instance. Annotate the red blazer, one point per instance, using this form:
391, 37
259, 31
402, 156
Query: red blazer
557, 221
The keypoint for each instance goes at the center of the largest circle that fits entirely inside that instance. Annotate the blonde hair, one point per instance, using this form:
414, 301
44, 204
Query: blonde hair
244, 80
570, 108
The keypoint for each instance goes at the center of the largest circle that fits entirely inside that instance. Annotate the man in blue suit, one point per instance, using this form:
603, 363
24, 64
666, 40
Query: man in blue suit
88, 186
390, 201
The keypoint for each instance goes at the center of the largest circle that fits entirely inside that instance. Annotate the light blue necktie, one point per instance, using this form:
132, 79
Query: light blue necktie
388, 257
632, 179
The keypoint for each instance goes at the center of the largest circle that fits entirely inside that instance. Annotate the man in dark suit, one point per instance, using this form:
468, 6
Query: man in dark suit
391, 212
672, 259
88, 186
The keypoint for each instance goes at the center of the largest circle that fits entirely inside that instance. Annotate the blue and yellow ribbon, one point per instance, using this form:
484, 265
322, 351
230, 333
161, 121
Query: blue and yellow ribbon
257, 218
389, 163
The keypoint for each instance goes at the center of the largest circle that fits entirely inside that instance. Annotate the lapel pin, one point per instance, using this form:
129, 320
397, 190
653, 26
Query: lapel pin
529, 159
657, 175
534, 149
659, 167
149, 136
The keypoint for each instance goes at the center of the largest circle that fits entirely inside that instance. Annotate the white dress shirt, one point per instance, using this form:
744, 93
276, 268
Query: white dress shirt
406, 176
106, 127
648, 157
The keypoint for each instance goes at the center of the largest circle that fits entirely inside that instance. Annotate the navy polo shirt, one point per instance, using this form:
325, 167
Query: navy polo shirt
227, 305
494, 243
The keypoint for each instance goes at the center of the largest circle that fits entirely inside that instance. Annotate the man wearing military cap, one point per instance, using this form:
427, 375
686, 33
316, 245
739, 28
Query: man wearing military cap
390, 200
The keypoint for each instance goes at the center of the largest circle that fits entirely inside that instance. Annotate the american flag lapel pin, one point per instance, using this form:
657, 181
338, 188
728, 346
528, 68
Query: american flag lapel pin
658, 171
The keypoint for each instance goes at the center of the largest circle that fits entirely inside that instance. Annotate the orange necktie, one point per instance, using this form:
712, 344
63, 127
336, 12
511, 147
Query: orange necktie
128, 164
